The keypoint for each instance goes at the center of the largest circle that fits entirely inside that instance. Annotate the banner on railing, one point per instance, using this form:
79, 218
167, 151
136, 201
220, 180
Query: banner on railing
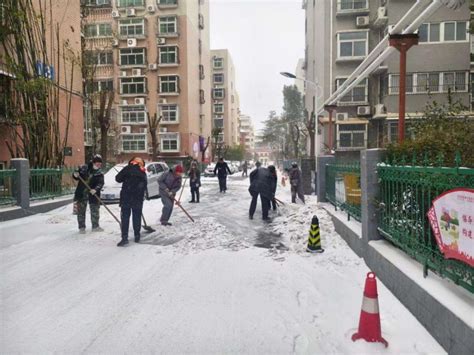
452, 221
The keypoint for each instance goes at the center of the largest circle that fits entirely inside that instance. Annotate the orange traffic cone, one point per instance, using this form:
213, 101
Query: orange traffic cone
369, 323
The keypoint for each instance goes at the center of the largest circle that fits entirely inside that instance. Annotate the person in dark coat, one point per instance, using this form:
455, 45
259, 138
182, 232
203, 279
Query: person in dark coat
134, 185
245, 167
274, 179
261, 183
169, 184
222, 169
93, 176
194, 182
296, 183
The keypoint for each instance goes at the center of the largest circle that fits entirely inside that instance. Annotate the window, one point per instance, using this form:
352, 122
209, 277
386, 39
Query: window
167, 2
168, 55
359, 94
201, 72
169, 84
169, 113
202, 99
454, 81
169, 142
168, 25
218, 93
443, 32
352, 44
98, 30
218, 78
132, 27
132, 86
218, 121
131, 3
350, 5
392, 128
132, 56
351, 135
100, 85
218, 63
97, 2
133, 114
134, 142
99, 58
219, 108
201, 21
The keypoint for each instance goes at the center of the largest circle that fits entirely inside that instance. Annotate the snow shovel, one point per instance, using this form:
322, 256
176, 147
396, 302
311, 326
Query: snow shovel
279, 201
100, 201
186, 212
182, 188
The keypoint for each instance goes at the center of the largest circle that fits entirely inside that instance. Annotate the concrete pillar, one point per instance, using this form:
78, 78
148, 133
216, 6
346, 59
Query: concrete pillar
370, 190
321, 175
22, 181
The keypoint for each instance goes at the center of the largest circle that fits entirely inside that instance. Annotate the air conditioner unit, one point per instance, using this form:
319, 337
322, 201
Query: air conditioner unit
150, 150
131, 12
163, 129
380, 110
123, 74
381, 19
152, 66
363, 111
115, 14
162, 101
132, 42
150, 8
362, 21
382, 12
125, 129
143, 130
161, 40
124, 102
139, 101
115, 42
342, 116
136, 72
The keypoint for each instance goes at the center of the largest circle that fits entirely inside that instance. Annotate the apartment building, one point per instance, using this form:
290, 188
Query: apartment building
247, 134
345, 32
155, 56
54, 65
225, 107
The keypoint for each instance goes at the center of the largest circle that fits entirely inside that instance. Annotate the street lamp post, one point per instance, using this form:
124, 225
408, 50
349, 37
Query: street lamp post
318, 94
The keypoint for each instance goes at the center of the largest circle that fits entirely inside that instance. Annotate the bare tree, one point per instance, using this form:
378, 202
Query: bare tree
310, 124
153, 124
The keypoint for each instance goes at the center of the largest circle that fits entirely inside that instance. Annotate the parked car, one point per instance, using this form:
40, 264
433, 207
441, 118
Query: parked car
209, 171
111, 191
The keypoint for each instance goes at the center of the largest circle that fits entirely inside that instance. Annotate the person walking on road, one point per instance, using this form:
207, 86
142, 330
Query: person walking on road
222, 169
274, 179
134, 185
245, 167
194, 182
93, 176
169, 184
296, 183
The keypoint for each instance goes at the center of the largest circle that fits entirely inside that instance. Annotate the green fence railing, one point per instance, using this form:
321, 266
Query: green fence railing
406, 196
49, 183
6, 187
343, 188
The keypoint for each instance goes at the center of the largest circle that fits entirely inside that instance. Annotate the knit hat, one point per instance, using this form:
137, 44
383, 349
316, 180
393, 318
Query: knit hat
178, 169
97, 158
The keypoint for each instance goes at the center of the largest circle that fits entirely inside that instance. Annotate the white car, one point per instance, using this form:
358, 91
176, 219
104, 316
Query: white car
209, 171
111, 190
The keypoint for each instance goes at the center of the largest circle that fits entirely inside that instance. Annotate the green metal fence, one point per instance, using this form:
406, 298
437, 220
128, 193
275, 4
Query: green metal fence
343, 187
406, 196
6, 186
49, 183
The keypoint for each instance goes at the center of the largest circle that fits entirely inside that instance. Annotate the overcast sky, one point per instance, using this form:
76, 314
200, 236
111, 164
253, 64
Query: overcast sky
264, 37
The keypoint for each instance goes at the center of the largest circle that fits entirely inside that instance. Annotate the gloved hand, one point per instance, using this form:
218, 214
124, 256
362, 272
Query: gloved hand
92, 191
76, 174
171, 195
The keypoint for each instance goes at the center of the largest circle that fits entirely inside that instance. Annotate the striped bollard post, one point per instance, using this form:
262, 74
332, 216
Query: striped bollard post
314, 237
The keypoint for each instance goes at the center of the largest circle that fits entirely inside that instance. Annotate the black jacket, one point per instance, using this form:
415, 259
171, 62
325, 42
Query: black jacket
262, 182
95, 180
194, 178
134, 184
222, 169
295, 177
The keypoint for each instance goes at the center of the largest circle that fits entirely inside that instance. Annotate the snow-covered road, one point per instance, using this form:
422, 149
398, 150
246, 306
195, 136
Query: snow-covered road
224, 284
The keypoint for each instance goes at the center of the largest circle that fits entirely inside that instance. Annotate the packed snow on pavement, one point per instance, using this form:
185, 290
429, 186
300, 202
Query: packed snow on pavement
224, 284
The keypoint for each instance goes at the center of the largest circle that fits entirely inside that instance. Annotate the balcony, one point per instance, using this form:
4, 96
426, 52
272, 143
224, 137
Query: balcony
167, 4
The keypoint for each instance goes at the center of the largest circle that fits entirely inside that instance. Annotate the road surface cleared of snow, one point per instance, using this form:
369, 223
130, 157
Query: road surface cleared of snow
224, 284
